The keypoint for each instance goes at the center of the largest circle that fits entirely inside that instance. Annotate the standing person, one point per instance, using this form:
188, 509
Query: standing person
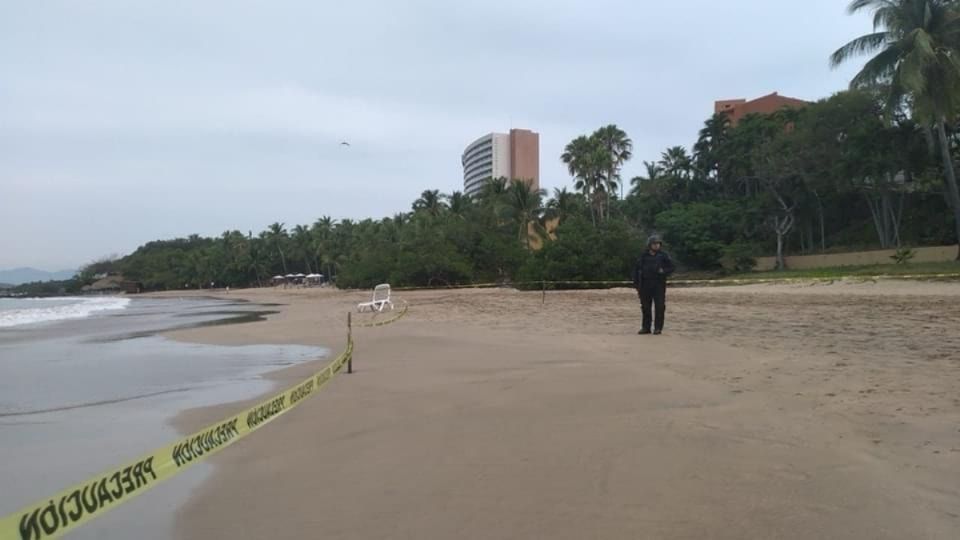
650, 279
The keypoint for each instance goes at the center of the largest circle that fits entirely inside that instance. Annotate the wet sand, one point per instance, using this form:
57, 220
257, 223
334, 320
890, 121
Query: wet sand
827, 411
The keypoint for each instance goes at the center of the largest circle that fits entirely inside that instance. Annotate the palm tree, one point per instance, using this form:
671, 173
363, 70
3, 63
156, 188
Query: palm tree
915, 44
322, 231
276, 235
706, 152
654, 172
259, 260
430, 202
589, 163
496, 186
302, 240
676, 162
620, 148
563, 204
400, 219
237, 250
459, 203
494, 189
526, 204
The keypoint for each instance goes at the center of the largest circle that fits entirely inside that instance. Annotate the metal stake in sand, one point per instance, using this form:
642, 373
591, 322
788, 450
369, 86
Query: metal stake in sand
543, 284
349, 341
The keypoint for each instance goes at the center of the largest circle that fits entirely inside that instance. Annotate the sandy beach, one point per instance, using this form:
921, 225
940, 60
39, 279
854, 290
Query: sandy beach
828, 411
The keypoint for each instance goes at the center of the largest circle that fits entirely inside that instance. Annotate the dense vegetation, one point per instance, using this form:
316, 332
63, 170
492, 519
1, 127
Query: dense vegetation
840, 174
869, 167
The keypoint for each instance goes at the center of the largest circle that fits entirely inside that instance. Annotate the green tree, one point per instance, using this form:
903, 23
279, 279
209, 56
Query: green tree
676, 162
322, 233
699, 233
585, 252
589, 163
459, 203
494, 190
526, 206
303, 243
915, 48
563, 205
708, 151
782, 186
276, 237
619, 149
653, 172
431, 202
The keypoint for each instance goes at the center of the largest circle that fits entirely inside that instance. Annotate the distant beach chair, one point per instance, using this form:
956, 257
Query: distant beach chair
381, 299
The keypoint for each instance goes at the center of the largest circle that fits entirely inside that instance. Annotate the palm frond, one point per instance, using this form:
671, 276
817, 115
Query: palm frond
878, 69
862, 45
912, 70
887, 16
858, 5
923, 45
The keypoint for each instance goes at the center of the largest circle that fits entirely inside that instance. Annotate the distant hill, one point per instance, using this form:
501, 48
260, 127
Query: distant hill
16, 276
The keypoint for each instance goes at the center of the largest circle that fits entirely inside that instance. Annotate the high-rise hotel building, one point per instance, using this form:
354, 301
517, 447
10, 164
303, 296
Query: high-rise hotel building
514, 155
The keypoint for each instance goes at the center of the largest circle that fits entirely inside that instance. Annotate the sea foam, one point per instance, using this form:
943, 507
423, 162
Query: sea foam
58, 309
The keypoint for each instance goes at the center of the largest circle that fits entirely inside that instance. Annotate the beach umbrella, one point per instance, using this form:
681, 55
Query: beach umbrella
300, 275
290, 276
277, 277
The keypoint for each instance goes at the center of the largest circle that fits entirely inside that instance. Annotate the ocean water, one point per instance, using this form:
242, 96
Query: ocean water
88, 383
21, 311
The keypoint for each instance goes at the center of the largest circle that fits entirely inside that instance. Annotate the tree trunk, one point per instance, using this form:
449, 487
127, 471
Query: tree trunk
931, 142
782, 227
887, 213
950, 177
823, 235
877, 220
592, 202
897, 219
781, 264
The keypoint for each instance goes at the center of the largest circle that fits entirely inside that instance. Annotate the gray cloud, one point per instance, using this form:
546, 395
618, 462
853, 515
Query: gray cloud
125, 122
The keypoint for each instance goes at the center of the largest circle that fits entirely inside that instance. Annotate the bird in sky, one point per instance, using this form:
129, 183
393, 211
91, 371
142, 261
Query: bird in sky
344, 143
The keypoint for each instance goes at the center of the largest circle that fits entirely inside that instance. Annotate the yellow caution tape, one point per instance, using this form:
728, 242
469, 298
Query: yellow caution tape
691, 282
385, 322
457, 286
813, 280
83, 502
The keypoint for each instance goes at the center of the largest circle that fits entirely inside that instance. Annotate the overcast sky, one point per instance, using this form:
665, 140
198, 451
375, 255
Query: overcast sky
124, 121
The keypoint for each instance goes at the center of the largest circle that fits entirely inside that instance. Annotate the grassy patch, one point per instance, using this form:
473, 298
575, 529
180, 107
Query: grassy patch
891, 270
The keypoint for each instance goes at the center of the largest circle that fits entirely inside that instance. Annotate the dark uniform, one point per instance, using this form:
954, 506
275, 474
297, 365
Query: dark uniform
650, 279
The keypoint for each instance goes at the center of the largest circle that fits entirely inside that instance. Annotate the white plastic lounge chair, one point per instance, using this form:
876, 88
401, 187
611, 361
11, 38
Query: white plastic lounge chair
381, 299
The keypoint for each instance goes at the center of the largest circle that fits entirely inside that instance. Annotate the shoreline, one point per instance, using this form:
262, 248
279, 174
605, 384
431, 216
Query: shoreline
241, 333
121, 384
764, 411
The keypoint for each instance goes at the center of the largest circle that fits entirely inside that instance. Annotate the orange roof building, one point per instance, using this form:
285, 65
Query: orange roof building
738, 108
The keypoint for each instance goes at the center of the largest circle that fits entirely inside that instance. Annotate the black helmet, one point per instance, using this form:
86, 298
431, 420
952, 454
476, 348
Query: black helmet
654, 239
